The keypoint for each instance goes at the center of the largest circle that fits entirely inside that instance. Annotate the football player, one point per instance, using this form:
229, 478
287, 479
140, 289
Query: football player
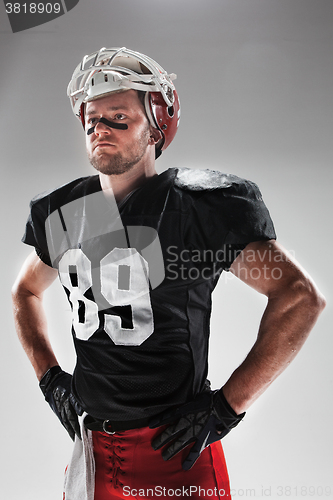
139, 255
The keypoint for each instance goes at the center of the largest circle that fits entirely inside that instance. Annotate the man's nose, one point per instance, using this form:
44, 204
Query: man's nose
102, 128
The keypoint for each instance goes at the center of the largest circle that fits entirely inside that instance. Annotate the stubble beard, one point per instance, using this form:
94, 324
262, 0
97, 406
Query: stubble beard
119, 163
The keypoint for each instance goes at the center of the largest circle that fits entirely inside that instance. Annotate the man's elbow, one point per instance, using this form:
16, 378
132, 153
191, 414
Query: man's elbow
16, 294
318, 301
15, 291
19, 291
307, 293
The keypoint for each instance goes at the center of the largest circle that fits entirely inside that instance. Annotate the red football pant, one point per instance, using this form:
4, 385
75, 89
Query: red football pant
128, 467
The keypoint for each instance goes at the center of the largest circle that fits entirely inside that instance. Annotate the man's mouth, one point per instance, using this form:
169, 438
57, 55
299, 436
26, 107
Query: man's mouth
103, 145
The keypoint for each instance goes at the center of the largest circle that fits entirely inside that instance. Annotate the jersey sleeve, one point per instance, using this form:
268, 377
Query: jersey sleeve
35, 233
227, 214
248, 219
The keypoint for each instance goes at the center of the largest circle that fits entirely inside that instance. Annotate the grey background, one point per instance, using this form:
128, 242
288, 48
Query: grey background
255, 82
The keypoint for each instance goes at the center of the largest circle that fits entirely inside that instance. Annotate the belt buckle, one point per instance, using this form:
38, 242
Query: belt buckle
104, 425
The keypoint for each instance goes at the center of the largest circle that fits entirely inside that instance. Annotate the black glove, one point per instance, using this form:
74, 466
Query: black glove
56, 387
206, 419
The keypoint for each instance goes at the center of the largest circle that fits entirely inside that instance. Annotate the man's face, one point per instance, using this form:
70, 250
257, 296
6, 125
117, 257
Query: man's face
113, 151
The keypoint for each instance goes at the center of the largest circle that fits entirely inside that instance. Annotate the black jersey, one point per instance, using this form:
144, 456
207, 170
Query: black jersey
139, 277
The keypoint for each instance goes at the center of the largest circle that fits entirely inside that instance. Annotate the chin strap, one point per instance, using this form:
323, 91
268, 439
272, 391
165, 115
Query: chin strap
120, 126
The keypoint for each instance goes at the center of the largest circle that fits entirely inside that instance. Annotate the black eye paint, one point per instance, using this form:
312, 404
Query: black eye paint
120, 126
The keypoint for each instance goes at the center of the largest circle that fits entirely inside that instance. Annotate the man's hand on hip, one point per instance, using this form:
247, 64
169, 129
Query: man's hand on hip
206, 419
56, 387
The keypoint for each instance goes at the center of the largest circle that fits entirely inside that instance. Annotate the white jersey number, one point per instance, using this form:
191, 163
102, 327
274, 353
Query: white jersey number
124, 282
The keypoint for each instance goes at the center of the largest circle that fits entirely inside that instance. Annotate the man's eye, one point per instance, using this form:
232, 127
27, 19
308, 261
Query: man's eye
91, 121
119, 116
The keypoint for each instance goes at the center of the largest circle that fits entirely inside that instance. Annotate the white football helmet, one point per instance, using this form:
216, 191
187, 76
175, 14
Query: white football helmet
120, 69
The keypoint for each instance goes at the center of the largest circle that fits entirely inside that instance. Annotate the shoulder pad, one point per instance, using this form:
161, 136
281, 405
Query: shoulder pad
203, 180
62, 194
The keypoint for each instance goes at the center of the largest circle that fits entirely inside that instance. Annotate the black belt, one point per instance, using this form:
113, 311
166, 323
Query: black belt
110, 426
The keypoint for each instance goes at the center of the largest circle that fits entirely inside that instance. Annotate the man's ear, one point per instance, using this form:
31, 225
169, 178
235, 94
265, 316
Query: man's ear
155, 135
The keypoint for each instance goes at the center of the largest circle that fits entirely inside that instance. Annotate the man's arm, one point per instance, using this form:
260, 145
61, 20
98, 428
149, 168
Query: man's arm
294, 304
30, 321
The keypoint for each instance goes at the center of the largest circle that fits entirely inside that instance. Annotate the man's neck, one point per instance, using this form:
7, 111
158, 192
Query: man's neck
121, 185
